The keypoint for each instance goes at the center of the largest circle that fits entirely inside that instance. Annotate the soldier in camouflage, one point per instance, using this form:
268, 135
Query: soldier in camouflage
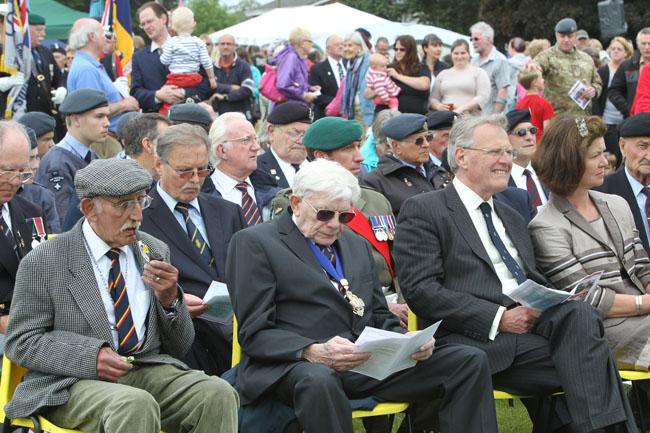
562, 65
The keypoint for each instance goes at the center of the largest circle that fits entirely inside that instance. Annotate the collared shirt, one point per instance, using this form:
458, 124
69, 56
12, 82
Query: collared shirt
517, 174
154, 46
139, 296
637, 187
335, 69
75, 146
472, 201
194, 212
421, 170
287, 169
435, 160
87, 72
6, 215
498, 69
227, 187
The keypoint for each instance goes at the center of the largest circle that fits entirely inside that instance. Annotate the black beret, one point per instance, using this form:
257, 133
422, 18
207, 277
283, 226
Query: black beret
120, 128
440, 120
40, 122
36, 20
290, 112
33, 141
515, 117
402, 126
189, 112
636, 126
82, 100
331, 133
566, 25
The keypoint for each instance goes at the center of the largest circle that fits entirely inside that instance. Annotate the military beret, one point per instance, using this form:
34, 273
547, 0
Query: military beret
58, 48
40, 122
120, 129
36, 20
331, 133
189, 112
33, 141
582, 34
566, 25
515, 117
440, 120
290, 112
636, 126
82, 100
402, 126
112, 178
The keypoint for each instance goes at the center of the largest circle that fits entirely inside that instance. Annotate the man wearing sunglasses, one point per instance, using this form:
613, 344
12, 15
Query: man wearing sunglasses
303, 289
523, 139
197, 228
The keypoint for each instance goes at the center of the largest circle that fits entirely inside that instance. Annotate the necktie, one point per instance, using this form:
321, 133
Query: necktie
88, 157
296, 167
328, 252
195, 235
126, 335
510, 263
248, 205
340, 68
646, 192
9, 235
532, 189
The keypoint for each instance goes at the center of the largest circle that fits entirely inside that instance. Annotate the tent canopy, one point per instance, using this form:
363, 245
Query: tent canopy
323, 21
58, 17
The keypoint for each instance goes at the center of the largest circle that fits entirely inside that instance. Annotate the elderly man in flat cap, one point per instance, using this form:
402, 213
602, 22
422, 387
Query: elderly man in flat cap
100, 323
632, 179
287, 124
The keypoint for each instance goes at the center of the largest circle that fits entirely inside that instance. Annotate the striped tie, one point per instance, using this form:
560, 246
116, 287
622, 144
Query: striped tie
248, 205
532, 189
328, 251
195, 235
4, 228
126, 335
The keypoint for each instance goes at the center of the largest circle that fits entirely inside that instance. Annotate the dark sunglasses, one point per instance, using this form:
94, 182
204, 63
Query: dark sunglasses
188, 174
399, 49
325, 215
522, 131
420, 141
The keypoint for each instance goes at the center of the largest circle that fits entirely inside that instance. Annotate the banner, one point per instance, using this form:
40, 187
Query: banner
117, 17
17, 55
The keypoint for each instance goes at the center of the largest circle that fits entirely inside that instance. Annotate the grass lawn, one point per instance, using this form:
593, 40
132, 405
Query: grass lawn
510, 419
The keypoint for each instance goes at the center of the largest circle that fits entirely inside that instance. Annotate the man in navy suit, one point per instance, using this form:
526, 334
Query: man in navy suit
328, 74
197, 228
148, 74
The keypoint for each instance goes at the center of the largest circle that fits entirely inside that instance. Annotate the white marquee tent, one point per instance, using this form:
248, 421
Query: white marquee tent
323, 21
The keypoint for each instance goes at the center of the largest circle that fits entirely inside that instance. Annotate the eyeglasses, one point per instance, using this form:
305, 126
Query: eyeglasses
129, 205
244, 139
399, 49
9, 175
496, 153
226, 43
294, 135
521, 132
420, 141
475, 39
188, 173
325, 215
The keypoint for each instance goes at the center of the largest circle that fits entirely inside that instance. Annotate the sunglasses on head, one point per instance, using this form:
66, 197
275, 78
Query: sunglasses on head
521, 132
325, 215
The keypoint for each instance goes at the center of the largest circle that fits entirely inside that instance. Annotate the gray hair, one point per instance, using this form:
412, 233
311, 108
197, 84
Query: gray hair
462, 133
483, 28
380, 119
184, 135
79, 37
326, 177
219, 131
356, 38
7, 125
643, 31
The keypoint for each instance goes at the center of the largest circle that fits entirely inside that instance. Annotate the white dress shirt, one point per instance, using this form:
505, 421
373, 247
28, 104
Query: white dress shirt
518, 176
138, 293
287, 169
637, 187
6, 215
335, 69
227, 187
194, 211
472, 201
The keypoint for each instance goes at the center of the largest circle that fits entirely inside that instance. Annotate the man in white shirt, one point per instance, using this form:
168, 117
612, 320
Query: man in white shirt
521, 134
328, 74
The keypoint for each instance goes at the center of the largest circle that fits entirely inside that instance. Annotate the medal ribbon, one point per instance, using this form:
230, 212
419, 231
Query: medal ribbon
38, 228
361, 226
335, 273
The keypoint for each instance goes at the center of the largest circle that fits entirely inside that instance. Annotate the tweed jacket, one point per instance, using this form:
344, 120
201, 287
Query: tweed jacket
58, 323
568, 248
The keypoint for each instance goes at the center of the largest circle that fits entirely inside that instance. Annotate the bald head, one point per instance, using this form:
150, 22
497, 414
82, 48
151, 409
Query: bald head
14, 158
87, 34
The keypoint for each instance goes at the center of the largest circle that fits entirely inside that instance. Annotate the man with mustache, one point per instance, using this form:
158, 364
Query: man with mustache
100, 323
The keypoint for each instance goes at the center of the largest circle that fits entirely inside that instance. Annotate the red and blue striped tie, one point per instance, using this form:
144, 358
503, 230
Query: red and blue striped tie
126, 335
248, 205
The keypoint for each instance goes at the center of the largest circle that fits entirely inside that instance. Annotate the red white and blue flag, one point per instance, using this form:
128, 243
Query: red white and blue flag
117, 16
17, 56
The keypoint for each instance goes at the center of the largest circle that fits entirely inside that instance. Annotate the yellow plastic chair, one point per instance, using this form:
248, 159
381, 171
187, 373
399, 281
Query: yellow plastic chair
386, 408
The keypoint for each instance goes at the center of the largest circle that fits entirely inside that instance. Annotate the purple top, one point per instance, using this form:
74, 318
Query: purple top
291, 74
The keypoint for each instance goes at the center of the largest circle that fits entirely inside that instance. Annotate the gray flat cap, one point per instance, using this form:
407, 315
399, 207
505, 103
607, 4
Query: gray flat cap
111, 178
566, 25
120, 129
402, 126
189, 112
41, 123
83, 100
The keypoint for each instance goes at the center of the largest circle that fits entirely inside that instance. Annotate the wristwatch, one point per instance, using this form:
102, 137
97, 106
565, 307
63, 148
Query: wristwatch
170, 312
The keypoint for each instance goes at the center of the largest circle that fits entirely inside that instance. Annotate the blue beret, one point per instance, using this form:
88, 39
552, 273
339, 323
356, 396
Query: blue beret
33, 141
331, 133
440, 120
111, 177
40, 122
189, 112
636, 126
36, 20
566, 25
515, 117
83, 100
120, 129
290, 112
400, 127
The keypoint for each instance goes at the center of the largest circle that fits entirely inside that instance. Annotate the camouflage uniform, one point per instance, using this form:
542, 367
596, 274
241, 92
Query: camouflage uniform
561, 70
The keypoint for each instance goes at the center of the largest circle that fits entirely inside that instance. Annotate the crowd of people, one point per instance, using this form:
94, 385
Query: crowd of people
325, 194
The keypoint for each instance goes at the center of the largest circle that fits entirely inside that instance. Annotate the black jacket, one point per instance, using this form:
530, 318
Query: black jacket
322, 75
623, 88
236, 100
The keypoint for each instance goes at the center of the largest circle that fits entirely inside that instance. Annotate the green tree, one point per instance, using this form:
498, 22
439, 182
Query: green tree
210, 16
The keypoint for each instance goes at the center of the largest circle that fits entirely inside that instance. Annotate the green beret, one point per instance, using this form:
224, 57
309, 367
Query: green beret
331, 133
36, 20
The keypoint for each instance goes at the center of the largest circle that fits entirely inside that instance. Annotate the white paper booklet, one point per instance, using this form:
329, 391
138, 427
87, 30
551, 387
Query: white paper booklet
577, 94
391, 351
219, 300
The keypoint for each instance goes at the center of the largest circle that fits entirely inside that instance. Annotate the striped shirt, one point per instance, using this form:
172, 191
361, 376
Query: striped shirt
185, 54
380, 82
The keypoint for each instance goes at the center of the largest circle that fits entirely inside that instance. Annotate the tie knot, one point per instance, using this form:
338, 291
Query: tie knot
325, 248
242, 186
296, 167
527, 172
113, 254
646, 191
485, 208
183, 207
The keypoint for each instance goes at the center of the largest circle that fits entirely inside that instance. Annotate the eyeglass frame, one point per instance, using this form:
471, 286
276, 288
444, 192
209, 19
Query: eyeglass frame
244, 139
129, 205
426, 139
189, 173
342, 215
496, 153
532, 130
17, 173
293, 134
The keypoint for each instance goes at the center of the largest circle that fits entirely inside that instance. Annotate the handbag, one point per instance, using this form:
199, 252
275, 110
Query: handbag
268, 84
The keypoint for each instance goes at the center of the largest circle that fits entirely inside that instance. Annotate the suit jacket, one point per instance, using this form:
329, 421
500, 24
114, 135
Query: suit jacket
269, 166
445, 272
284, 301
20, 210
58, 323
322, 75
512, 184
617, 183
568, 249
519, 200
